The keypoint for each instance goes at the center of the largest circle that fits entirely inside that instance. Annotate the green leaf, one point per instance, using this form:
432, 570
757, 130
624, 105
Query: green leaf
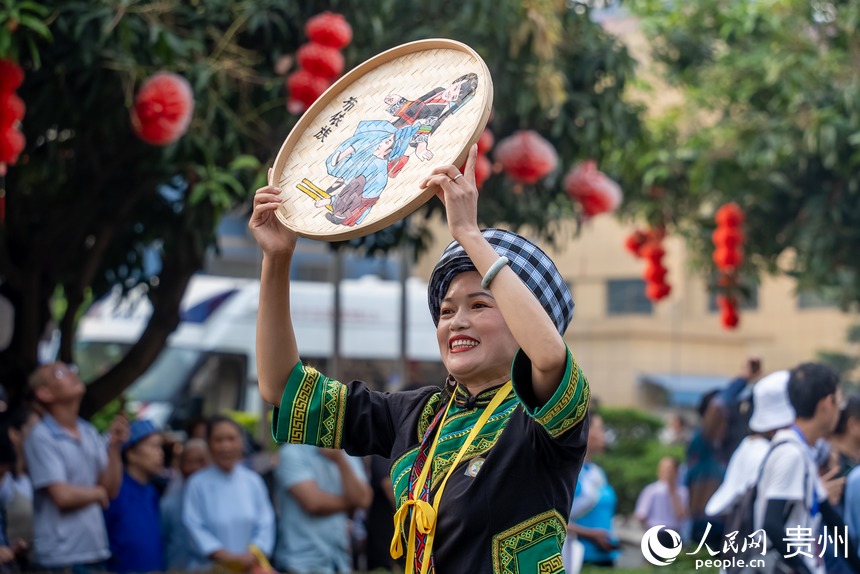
197, 194
36, 26
244, 162
34, 7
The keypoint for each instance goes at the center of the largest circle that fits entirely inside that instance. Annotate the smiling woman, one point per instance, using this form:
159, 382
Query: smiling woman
483, 469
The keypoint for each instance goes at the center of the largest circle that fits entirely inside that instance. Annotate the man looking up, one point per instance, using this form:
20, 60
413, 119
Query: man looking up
74, 474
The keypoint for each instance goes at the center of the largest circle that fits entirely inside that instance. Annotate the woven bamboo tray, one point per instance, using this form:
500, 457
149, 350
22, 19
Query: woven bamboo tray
353, 163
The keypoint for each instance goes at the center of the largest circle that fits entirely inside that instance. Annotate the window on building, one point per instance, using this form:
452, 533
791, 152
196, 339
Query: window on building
627, 296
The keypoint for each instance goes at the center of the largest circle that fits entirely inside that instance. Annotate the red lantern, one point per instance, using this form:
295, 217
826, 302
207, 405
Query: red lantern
304, 89
485, 142
12, 110
730, 237
657, 291
319, 60
652, 251
728, 311
592, 189
11, 76
11, 145
727, 259
526, 157
635, 241
483, 169
163, 108
730, 318
729, 215
654, 272
329, 29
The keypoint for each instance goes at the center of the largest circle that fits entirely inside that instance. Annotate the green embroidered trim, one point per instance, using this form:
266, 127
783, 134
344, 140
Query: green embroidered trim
427, 414
400, 474
333, 414
313, 409
449, 446
450, 443
552, 565
570, 404
300, 408
530, 546
581, 411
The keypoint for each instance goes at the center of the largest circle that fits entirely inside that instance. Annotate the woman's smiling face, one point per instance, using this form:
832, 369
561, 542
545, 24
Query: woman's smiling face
476, 345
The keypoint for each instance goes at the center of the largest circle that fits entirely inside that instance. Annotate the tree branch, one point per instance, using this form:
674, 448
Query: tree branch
183, 260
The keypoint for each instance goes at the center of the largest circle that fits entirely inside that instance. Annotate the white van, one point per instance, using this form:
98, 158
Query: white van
209, 362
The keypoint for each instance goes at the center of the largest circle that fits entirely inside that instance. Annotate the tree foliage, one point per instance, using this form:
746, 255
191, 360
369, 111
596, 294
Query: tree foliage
770, 120
88, 200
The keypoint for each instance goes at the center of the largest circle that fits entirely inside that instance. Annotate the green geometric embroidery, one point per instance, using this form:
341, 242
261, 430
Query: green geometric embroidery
427, 414
531, 546
334, 407
552, 565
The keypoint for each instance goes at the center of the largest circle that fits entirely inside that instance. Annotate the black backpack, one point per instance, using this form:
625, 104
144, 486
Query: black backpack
740, 518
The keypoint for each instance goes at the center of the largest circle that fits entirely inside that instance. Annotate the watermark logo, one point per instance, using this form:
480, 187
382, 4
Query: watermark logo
660, 545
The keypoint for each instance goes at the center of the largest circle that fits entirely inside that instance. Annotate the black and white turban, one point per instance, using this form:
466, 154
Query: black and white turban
528, 261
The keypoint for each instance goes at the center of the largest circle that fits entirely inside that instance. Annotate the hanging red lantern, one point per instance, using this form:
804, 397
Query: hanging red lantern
727, 259
11, 145
728, 256
11, 76
319, 60
483, 169
652, 251
162, 108
329, 29
729, 215
654, 272
12, 109
728, 239
526, 157
635, 241
592, 189
657, 291
729, 314
485, 142
304, 89
731, 237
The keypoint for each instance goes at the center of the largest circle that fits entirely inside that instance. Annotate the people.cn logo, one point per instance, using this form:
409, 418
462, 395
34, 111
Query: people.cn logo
661, 548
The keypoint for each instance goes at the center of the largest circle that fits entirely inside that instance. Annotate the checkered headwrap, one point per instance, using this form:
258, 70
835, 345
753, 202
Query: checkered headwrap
533, 266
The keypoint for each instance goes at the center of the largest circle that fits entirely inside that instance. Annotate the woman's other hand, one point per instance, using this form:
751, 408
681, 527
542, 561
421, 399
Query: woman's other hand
458, 194
273, 237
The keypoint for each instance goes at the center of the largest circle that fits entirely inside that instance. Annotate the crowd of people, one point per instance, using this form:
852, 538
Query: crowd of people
136, 500
775, 457
132, 500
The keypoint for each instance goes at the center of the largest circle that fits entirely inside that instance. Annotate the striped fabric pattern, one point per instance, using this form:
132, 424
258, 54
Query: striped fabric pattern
528, 261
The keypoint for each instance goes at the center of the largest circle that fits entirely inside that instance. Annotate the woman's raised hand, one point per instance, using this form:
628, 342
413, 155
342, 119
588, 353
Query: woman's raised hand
273, 238
458, 193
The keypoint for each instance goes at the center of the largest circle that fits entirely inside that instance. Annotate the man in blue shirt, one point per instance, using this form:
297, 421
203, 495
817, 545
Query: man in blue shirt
317, 489
132, 519
74, 474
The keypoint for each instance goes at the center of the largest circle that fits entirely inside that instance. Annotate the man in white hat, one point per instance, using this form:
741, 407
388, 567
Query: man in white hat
771, 411
791, 497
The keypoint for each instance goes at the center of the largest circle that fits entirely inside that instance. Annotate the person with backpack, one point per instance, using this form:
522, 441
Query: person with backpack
791, 503
772, 411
